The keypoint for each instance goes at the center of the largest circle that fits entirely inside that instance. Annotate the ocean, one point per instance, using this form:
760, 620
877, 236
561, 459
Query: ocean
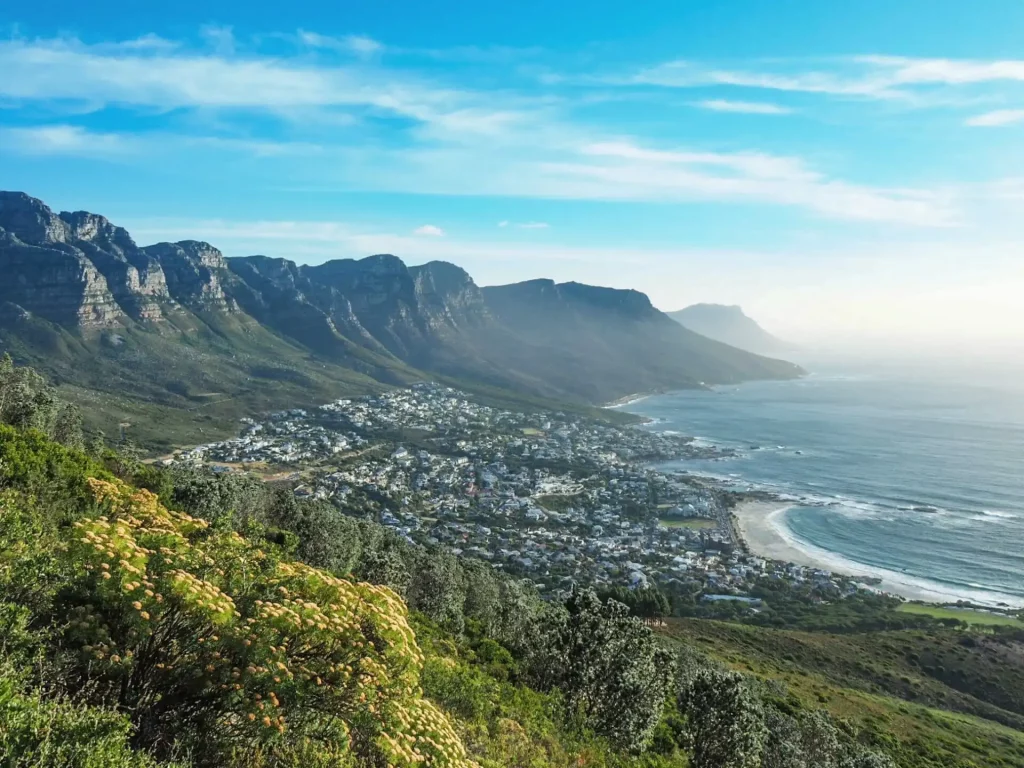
916, 474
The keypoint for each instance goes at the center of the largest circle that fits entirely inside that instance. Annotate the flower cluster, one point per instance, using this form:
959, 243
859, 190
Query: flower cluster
270, 647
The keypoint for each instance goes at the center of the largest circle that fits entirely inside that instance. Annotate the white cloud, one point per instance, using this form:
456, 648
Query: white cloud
997, 118
357, 44
626, 171
429, 230
220, 38
743, 107
63, 139
868, 76
448, 140
363, 45
502, 223
687, 74
66, 140
69, 72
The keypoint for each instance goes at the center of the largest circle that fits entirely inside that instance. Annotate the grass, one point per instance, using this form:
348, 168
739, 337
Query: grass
531, 431
979, 618
693, 523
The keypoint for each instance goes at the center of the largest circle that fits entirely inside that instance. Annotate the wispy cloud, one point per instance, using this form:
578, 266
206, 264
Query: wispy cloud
64, 139
623, 170
997, 117
360, 45
429, 230
867, 76
743, 107
63, 71
689, 74
67, 140
417, 134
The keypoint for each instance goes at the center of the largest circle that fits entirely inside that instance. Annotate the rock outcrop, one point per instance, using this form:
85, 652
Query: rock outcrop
195, 274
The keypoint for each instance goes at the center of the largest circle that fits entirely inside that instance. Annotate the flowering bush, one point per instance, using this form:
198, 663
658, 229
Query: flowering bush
199, 630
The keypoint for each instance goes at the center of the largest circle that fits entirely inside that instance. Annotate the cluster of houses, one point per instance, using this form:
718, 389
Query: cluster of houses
558, 498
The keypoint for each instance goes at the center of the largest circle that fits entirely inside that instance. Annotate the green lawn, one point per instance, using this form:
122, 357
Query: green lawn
531, 431
693, 523
963, 614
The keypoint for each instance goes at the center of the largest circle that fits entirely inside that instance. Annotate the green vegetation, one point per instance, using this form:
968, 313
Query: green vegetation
972, 617
938, 697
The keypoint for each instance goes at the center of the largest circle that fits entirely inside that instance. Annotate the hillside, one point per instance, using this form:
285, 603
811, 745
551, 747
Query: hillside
730, 325
938, 697
180, 342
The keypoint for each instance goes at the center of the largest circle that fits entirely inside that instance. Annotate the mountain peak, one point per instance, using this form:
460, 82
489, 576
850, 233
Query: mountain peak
729, 324
30, 219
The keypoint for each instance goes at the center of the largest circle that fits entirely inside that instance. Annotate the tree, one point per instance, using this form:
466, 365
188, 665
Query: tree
327, 538
725, 725
613, 674
483, 595
820, 739
437, 588
866, 758
27, 401
783, 745
213, 497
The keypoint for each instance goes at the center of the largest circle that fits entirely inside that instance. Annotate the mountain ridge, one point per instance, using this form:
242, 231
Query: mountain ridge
180, 325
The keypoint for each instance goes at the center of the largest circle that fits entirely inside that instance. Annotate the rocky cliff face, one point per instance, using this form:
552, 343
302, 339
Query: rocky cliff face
135, 279
449, 299
195, 274
45, 274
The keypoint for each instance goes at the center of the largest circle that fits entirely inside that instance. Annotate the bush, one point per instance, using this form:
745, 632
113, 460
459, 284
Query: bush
200, 634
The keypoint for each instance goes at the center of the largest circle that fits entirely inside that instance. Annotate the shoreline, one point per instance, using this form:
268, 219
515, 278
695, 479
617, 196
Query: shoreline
763, 534
625, 400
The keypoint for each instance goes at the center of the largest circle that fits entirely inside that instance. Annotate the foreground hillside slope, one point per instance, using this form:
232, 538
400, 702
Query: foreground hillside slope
179, 617
177, 338
730, 325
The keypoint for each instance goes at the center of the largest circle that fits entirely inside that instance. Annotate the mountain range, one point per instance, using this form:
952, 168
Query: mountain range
180, 334
730, 325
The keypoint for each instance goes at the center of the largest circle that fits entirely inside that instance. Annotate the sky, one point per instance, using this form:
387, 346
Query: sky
844, 171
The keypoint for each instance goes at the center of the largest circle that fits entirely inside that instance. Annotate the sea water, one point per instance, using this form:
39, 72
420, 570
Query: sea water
917, 473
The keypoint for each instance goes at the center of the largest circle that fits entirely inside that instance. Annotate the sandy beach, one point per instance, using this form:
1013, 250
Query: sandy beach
762, 526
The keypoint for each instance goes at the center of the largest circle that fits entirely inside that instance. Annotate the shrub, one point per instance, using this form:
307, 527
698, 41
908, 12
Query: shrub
199, 631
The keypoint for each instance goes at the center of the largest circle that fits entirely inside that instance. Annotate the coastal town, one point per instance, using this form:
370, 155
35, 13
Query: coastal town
556, 498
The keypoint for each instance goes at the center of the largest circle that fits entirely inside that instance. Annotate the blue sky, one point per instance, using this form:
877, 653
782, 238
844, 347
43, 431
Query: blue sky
840, 169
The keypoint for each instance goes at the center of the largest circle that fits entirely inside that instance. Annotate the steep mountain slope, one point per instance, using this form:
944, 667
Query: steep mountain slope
178, 334
730, 325
604, 343
151, 336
